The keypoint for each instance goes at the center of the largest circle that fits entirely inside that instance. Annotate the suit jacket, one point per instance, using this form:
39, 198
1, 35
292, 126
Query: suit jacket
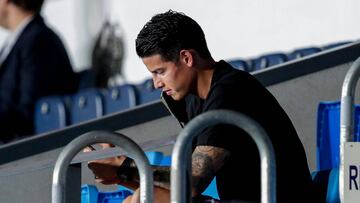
37, 66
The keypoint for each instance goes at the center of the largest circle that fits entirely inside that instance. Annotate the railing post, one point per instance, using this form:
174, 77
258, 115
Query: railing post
78, 144
347, 116
181, 156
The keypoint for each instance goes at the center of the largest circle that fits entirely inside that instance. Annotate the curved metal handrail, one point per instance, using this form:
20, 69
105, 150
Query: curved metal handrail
181, 167
78, 144
347, 116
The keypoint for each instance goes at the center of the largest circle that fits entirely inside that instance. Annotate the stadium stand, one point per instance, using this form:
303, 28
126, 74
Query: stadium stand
273, 59
86, 104
127, 96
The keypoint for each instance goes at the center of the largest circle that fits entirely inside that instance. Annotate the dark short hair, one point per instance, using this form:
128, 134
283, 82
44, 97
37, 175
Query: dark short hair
168, 33
29, 5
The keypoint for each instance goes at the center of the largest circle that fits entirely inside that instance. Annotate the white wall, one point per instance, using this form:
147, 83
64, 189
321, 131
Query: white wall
247, 28
233, 28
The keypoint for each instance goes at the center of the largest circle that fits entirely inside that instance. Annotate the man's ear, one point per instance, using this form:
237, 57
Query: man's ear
187, 57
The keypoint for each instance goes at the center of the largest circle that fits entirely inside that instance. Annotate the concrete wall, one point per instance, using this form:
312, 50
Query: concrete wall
300, 98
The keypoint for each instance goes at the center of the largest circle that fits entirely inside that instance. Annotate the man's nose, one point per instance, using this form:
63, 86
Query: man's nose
158, 83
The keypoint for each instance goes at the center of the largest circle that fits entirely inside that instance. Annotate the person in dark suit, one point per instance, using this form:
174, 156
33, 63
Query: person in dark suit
34, 63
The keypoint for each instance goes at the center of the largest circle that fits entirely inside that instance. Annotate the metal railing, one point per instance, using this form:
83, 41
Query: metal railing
181, 156
347, 116
78, 144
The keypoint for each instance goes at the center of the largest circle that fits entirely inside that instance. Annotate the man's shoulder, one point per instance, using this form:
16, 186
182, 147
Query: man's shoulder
37, 32
225, 74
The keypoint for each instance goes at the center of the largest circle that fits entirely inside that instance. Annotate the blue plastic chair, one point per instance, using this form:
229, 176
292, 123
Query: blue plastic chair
90, 194
298, 53
239, 64
267, 61
155, 158
50, 114
147, 93
328, 180
328, 134
119, 98
86, 105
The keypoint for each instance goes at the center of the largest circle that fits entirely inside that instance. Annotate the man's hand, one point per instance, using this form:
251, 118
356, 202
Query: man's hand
105, 170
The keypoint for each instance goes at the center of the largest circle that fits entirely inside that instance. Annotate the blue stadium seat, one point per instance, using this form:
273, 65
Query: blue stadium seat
239, 64
86, 105
147, 93
267, 61
90, 194
328, 134
298, 53
166, 161
50, 114
328, 181
155, 158
337, 44
119, 98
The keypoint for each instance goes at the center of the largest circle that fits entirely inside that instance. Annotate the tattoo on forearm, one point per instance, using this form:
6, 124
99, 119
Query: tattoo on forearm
162, 176
202, 170
206, 161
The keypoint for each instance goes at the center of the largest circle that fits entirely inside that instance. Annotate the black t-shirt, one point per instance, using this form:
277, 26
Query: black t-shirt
240, 177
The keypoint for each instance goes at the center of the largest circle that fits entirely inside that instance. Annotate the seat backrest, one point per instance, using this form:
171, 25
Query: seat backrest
86, 105
327, 182
146, 92
119, 98
298, 53
90, 194
267, 61
328, 134
239, 64
50, 114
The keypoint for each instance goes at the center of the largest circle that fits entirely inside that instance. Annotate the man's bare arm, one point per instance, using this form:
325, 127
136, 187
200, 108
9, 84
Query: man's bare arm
206, 161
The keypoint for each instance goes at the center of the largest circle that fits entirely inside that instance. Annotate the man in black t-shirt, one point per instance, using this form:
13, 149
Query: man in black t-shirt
174, 50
